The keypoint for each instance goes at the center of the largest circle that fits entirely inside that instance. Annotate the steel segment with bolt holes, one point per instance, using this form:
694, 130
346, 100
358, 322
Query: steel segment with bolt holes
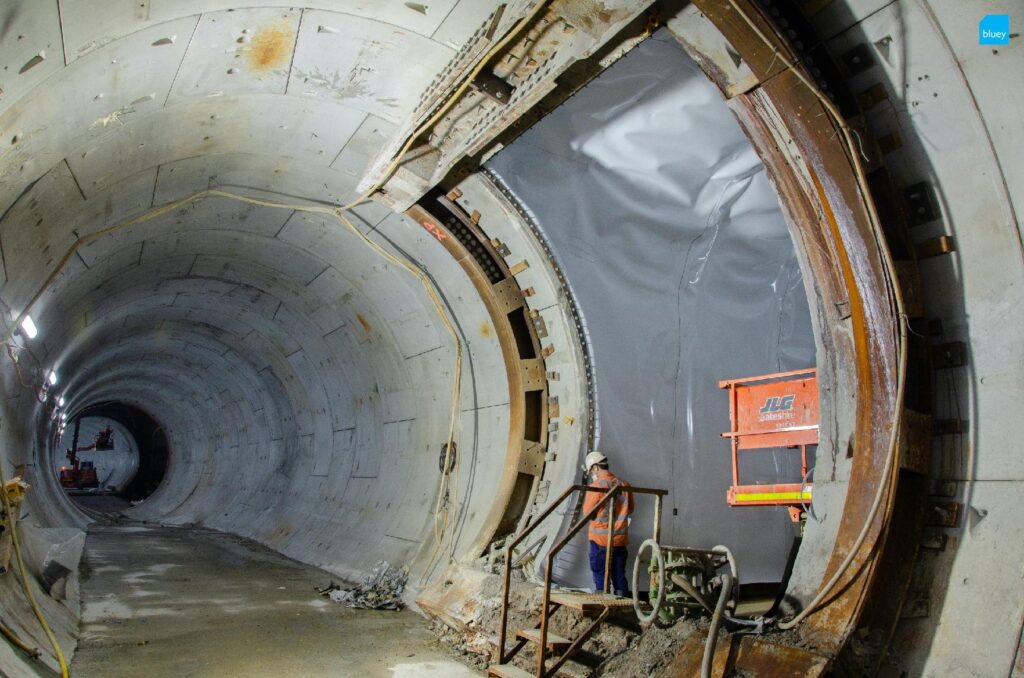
856, 325
524, 461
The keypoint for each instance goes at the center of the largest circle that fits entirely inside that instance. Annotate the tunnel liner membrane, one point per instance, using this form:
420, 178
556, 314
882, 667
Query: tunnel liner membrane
660, 212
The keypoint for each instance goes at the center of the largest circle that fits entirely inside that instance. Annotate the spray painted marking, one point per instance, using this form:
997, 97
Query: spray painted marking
434, 230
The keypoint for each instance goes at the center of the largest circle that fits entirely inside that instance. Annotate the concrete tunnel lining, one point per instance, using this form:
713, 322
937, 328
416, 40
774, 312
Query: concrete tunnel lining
301, 339
279, 337
88, 168
316, 353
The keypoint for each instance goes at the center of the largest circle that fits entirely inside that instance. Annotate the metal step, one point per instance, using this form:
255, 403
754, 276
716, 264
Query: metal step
590, 602
555, 643
508, 671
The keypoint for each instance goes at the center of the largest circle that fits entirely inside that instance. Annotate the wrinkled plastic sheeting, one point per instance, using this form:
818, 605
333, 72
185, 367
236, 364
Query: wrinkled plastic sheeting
662, 217
53, 555
381, 590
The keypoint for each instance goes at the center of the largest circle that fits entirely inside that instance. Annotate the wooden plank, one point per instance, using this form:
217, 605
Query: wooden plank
935, 247
747, 655
555, 643
507, 671
590, 602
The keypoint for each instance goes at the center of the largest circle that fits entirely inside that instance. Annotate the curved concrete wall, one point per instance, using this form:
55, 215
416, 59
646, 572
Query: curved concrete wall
303, 380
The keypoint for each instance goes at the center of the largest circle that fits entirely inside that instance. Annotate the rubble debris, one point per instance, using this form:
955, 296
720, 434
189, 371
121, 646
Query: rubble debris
458, 646
649, 653
327, 589
381, 590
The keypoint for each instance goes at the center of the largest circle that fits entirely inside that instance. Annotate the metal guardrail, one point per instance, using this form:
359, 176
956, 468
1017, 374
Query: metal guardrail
609, 494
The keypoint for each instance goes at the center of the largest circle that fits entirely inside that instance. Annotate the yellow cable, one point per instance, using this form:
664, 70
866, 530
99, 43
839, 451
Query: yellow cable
24, 575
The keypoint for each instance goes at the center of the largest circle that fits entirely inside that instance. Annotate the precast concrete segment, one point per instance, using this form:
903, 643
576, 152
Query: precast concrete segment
298, 362
184, 601
126, 62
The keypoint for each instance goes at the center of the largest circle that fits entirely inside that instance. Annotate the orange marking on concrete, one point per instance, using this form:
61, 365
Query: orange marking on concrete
271, 47
434, 230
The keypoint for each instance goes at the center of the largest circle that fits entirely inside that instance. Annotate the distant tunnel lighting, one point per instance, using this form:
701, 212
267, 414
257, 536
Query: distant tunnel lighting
52, 378
30, 327
60, 401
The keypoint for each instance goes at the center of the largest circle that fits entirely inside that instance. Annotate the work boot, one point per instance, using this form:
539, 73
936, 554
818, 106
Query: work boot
623, 594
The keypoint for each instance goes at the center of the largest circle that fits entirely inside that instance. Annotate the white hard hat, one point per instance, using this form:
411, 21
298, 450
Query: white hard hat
594, 457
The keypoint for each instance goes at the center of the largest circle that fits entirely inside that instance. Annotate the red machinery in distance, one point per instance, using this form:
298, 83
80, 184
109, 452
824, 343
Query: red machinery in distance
82, 474
772, 410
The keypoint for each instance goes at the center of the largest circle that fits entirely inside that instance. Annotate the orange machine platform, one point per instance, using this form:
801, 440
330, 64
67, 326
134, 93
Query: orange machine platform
772, 410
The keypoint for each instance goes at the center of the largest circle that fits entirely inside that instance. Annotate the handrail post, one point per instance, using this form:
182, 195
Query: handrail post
504, 605
550, 559
503, 632
657, 519
544, 615
610, 539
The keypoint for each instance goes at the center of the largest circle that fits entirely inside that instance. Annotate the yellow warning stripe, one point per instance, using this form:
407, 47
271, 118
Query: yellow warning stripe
768, 496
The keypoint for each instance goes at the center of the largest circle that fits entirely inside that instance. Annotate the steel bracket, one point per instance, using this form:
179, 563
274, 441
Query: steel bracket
494, 88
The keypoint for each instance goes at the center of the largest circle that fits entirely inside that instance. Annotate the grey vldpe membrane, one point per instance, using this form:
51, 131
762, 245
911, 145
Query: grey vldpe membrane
659, 211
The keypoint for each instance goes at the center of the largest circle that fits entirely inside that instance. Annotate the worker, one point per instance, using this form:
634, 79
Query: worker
104, 439
601, 528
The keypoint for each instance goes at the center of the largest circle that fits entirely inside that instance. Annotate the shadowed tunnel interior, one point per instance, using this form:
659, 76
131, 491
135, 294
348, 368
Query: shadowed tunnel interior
129, 464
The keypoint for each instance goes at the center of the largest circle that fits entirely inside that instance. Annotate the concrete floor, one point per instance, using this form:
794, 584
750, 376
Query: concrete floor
160, 601
100, 502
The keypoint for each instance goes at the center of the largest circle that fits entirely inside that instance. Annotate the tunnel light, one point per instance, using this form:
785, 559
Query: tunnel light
60, 401
29, 327
52, 378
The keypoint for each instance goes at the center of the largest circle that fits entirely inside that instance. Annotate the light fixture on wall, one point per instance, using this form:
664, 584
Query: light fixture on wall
28, 326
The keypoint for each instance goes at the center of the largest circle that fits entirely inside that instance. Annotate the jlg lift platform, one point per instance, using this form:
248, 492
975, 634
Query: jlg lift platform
772, 410
82, 474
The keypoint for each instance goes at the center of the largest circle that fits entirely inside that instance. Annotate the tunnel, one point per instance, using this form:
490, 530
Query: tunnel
356, 287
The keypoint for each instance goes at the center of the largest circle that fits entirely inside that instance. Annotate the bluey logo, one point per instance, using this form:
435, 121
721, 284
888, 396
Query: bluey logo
781, 404
994, 29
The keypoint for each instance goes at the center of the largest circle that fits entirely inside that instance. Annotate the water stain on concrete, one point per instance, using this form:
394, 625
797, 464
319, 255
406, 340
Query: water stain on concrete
270, 48
367, 327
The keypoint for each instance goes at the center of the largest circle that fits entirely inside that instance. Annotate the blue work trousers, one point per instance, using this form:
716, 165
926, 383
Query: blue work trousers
620, 584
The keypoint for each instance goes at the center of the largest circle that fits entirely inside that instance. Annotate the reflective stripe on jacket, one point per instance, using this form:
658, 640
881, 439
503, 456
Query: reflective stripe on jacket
623, 507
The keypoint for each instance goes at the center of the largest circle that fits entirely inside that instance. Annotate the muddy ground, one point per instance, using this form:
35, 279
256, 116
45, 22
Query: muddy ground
617, 648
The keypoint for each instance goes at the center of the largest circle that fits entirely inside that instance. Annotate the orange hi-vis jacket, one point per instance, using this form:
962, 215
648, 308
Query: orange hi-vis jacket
623, 507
